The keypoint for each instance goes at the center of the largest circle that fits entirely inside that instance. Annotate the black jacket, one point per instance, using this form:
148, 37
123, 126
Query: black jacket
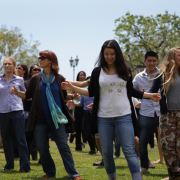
36, 115
94, 90
156, 85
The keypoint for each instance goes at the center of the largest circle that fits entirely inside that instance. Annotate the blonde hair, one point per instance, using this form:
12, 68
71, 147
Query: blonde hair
14, 63
167, 68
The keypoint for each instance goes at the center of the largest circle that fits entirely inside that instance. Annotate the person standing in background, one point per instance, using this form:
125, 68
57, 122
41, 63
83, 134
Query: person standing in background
150, 111
12, 114
78, 114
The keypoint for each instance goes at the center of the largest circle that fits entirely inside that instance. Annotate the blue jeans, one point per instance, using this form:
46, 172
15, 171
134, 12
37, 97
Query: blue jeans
41, 134
16, 119
117, 145
147, 125
124, 128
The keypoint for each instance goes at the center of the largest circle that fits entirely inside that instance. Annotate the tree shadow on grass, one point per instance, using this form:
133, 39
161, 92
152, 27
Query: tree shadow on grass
12, 171
35, 164
155, 175
36, 178
121, 167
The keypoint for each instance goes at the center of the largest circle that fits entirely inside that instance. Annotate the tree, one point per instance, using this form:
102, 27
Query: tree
138, 34
12, 43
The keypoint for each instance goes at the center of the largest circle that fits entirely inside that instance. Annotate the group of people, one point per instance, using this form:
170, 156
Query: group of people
110, 91
48, 114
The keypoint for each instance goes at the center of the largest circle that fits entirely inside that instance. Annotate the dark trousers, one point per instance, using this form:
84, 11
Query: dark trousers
14, 143
87, 124
147, 125
41, 135
79, 112
151, 140
31, 143
16, 119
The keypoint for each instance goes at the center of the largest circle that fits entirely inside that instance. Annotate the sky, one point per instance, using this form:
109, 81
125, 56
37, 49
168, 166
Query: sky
73, 28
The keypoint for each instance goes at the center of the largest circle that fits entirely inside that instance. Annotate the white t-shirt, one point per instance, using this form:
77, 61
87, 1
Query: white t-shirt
113, 100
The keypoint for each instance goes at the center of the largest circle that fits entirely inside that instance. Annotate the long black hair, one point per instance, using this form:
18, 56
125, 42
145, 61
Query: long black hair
25, 68
77, 78
122, 68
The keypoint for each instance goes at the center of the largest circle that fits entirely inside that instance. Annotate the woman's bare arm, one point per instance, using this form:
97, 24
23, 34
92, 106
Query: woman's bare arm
68, 86
79, 83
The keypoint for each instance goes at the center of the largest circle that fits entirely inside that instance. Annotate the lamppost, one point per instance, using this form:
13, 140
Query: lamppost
74, 63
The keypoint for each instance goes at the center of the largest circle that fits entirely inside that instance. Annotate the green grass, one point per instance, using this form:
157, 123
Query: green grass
83, 164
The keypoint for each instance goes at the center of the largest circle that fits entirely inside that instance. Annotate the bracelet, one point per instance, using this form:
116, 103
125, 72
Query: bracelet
72, 97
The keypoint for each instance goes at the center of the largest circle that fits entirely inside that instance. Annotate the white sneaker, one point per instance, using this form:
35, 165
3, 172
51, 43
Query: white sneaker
144, 170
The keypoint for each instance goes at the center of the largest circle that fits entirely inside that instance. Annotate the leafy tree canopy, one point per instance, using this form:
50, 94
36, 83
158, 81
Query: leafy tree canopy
12, 43
138, 34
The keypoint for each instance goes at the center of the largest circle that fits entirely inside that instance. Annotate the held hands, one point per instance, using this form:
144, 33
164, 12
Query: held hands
155, 97
71, 102
14, 90
90, 106
66, 85
77, 96
138, 105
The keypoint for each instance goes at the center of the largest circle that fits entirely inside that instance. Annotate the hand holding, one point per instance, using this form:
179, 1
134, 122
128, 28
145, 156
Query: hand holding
71, 102
138, 105
90, 106
77, 96
155, 97
66, 85
13, 90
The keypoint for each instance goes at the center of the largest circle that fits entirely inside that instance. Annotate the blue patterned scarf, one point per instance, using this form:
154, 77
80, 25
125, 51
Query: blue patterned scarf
56, 113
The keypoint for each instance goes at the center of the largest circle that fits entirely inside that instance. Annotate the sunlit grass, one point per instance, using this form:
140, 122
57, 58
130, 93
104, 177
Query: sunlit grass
83, 164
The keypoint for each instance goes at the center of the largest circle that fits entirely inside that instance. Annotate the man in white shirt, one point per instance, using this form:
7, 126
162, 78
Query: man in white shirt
150, 111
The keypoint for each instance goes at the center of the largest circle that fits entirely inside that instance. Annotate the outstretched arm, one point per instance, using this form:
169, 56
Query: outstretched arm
79, 83
154, 96
68, 86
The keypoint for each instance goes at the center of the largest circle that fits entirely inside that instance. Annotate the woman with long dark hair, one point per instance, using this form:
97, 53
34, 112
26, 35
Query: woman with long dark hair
78, 114
12, 114
112, 88
22, 71
49, 114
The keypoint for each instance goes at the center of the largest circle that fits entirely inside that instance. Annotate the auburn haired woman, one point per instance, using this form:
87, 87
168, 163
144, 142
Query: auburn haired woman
49, 114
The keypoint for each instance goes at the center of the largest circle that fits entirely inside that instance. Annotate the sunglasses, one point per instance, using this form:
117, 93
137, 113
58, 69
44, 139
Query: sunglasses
42, 58
19, 68
36, 69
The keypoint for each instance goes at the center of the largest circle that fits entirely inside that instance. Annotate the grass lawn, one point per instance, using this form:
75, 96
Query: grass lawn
83, 164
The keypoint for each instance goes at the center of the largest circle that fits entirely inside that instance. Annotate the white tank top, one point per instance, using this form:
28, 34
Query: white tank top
113, 96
